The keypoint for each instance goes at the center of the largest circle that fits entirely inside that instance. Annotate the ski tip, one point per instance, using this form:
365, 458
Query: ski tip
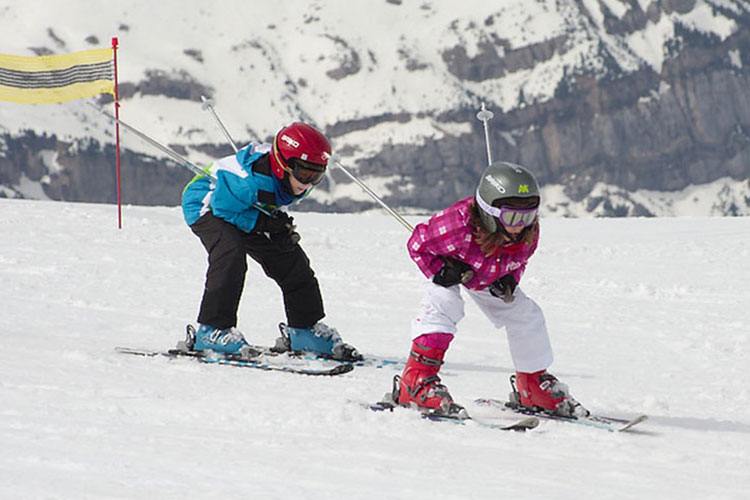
524, 424
521, 425
137, 352
342, 368
632, 423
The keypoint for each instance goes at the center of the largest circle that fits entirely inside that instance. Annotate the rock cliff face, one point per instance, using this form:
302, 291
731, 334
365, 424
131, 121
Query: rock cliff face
84, 171
612, 119
689, 124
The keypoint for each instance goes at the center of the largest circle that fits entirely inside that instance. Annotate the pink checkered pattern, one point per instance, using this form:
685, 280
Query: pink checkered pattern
448, 233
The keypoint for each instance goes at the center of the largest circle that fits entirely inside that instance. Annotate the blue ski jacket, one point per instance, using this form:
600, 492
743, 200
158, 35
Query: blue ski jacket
241, 183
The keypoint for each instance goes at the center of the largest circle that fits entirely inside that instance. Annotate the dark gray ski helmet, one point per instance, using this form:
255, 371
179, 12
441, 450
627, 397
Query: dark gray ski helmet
501, 181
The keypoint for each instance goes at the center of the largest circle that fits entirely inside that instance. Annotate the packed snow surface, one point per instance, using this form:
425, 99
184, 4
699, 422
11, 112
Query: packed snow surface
646, 316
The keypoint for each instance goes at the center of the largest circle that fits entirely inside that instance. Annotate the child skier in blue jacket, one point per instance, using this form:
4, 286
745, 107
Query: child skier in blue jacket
234, 210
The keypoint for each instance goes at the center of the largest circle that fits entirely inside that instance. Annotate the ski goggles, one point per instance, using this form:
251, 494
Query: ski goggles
306, 172
510, 216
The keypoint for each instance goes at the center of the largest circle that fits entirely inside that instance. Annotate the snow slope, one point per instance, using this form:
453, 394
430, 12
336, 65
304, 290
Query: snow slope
646, 315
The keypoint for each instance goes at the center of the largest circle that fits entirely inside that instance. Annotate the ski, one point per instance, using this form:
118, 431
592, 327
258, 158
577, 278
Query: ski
461, 417
611, 424
264, 358
275, 352
258, 362
367, 362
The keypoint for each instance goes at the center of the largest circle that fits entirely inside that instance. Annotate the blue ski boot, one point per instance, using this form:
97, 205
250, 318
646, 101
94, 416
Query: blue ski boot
226, 341
320, 339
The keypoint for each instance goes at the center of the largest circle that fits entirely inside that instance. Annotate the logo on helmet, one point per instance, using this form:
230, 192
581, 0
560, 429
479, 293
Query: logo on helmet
290, 141
496, 183
523, 188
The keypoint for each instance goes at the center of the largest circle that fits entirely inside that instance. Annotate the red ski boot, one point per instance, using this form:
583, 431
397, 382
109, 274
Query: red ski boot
420, 385
542, 391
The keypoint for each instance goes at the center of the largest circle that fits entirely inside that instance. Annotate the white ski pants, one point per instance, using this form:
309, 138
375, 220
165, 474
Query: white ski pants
442, 308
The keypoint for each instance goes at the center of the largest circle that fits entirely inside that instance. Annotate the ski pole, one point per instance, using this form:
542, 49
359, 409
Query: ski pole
485, 115
375, 197
207, 104
175, 156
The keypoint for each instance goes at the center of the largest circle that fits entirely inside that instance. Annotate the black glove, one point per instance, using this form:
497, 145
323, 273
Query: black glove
504, 287
453, 272
277, 221
280, 228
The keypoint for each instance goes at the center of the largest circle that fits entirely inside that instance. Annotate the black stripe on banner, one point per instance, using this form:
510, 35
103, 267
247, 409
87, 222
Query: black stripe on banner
64, 72
88, 77
59, 73
57, 78
43, 78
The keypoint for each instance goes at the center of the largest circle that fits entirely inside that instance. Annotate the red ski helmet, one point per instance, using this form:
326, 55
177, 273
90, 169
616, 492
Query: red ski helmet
299, 141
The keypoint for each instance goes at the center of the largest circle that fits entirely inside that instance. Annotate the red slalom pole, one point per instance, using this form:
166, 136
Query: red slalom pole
117, 137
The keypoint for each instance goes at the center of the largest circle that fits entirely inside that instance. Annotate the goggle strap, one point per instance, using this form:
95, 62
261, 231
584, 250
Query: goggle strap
277, 155
493, 211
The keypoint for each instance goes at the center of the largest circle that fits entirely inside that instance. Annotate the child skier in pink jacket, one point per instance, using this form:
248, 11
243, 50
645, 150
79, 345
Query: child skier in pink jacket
482, 242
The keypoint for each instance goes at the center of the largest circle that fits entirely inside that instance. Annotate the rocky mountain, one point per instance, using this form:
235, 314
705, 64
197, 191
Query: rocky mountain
621, 107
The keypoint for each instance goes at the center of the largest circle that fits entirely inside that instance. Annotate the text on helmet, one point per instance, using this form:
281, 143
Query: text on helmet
496, 183
290, 141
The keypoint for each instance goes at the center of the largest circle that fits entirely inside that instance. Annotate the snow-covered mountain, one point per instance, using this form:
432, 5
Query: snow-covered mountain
646, 316
622, 107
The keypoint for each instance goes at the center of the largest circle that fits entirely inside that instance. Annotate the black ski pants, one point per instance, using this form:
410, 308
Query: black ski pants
288, 266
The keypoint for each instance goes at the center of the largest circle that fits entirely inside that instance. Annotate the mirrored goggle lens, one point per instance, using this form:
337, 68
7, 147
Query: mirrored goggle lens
307, 173
517, 217
307, 176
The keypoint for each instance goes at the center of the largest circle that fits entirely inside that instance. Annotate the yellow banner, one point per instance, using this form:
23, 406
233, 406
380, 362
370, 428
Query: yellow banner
56, 78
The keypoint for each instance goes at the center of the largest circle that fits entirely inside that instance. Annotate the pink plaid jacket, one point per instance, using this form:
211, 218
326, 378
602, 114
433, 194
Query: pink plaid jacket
449, 233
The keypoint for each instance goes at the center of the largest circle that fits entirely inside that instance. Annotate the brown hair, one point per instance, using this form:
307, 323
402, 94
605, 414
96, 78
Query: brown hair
491, 243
